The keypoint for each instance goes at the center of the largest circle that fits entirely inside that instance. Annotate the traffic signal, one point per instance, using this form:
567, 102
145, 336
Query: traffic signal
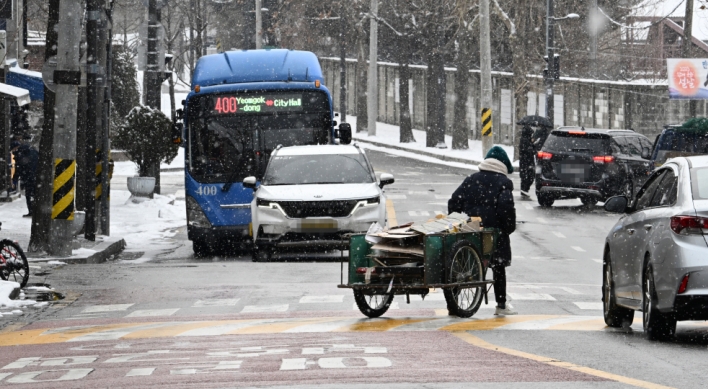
166, 75
555, 66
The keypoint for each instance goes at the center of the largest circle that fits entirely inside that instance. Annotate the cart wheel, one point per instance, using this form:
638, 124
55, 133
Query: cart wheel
465, 266
372, 305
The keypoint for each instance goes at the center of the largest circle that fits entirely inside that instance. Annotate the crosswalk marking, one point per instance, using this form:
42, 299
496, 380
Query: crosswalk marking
597, 306
597, 260
396, 196
394, 305
321, 299
418, 213
153, 312
419, 192
265, 308
542, 220
216, 303
532, 296
140, 372
106, 308
558, 234
579, 249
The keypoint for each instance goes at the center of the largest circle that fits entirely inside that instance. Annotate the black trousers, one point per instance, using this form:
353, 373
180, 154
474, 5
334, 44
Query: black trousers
527, 173
500, 285
29, 195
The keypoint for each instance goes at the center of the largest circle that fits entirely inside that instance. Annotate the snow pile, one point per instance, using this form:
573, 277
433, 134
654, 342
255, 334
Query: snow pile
6, 288
147, 226
389, 134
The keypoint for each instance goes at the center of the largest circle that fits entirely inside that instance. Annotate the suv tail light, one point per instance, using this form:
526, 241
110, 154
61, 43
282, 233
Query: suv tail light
687, 225
603, 159
544, 155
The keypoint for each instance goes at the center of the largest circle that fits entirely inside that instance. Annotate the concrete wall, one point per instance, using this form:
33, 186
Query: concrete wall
642, 106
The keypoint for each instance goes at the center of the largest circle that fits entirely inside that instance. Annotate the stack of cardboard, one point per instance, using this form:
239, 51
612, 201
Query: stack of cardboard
404, 244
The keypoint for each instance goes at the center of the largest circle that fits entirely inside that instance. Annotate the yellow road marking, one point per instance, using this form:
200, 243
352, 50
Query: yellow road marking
39, 337
391, 212
379, 325
586, 325
475, 341
170, 330
490, 324
275, 328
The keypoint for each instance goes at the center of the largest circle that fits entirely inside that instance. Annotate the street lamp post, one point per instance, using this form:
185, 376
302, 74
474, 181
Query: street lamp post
552, 60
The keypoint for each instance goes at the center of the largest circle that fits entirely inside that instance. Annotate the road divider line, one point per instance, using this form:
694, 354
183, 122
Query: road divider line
475, 341
578, 249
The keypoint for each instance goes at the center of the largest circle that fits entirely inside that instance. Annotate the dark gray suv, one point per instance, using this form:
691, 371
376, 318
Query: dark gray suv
591, 164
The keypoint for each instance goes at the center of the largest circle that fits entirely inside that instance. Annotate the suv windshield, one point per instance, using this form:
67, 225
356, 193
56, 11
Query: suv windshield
318, 169
561, 141
700, 183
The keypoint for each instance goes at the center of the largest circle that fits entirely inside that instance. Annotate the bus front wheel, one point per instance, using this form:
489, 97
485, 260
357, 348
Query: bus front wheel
201, 248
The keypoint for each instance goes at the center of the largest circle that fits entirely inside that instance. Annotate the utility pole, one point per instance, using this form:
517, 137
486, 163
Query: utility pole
259, 26
485, 55
686, 48
594, 31
550, 53
93, 114
372, 97
153, 73
105, 145
342, 64
67, 77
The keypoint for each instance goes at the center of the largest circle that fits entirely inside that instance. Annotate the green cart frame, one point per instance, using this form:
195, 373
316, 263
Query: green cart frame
454, 262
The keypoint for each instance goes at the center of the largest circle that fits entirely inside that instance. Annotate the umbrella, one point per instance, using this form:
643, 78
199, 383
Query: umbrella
535, 121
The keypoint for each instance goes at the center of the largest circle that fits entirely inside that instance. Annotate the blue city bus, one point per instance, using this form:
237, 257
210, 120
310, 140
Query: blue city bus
241, 106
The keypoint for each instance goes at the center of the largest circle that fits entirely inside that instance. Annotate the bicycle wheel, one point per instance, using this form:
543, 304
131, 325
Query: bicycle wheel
15, 267
465, 266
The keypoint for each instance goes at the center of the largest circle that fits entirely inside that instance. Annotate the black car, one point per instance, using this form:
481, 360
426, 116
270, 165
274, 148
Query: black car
591, 164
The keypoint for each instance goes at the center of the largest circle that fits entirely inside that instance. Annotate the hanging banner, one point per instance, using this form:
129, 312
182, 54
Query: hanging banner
688, 78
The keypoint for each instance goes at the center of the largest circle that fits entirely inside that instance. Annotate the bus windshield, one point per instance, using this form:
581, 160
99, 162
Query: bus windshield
235, 140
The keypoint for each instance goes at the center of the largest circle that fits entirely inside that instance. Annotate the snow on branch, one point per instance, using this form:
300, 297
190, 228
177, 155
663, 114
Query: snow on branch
507, 20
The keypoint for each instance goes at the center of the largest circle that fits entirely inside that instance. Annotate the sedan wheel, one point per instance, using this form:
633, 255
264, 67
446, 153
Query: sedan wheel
657, 325
615, 316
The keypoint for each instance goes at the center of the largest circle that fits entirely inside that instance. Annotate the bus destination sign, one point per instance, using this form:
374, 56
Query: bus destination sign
224, 104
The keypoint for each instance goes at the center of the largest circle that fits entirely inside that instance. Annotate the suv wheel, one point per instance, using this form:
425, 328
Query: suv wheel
589, 201
545, 200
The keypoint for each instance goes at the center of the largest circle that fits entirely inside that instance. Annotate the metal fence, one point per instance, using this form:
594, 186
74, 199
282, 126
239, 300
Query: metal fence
639, 105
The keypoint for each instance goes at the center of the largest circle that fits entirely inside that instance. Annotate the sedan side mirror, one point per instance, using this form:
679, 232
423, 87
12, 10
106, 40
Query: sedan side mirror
345, 133
616, 204
250, 182
386, 179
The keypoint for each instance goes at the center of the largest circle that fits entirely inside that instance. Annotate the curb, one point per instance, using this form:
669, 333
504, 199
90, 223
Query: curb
414, 151
104, 251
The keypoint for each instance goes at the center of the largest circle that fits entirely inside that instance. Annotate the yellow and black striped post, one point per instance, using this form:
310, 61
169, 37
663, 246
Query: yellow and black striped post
63, 190
486, 122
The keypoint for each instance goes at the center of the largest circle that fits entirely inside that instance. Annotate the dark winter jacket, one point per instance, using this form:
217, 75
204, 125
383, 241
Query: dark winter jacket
526, 147
489, 195
26, 159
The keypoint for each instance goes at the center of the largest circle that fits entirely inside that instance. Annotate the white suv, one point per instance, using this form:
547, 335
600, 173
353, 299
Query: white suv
311, 195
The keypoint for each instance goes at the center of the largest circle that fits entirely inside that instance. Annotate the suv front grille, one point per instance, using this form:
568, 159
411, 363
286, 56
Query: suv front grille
301, 209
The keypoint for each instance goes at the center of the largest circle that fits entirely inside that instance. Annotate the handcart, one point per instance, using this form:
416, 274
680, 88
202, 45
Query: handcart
455, 261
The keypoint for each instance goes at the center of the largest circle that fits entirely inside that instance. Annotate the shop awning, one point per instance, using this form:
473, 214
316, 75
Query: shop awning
21, 96
28, 80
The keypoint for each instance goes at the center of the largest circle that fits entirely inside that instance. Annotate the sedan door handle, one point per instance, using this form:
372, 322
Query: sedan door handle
648, 227
630, 231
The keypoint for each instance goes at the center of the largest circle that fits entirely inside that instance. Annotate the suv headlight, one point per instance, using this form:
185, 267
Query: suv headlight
195, 215
366, 203
262, 203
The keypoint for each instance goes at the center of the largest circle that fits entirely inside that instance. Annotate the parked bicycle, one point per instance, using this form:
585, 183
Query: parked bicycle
13, 262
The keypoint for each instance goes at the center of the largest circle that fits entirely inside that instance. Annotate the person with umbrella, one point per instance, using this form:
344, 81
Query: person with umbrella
530, 143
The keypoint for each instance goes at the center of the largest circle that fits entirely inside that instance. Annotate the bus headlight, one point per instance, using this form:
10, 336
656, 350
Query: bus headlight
195, 215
